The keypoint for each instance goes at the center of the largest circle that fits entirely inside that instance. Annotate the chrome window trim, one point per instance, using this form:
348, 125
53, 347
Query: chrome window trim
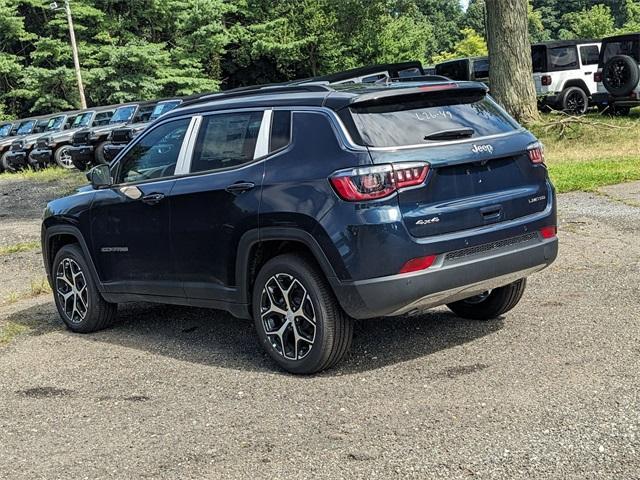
183, 166
264, 135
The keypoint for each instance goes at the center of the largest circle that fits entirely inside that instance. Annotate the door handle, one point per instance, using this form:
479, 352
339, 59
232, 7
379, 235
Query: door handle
491, 213
589, 73
240, 187
153, 198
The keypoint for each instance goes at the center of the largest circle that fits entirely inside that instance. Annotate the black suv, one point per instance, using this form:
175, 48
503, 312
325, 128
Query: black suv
304, 206
618, 74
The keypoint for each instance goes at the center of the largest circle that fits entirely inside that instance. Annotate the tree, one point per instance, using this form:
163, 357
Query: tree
632, 17
596, 22
510, 56
471, 45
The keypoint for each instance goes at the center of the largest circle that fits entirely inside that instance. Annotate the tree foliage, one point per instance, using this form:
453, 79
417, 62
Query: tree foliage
141, 49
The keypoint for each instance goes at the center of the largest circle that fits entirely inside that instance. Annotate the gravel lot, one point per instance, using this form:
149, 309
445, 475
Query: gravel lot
550, 391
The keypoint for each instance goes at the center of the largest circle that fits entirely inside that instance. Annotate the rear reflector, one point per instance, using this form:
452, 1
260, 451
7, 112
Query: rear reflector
549, 232
417, 264
370, 183
536, 153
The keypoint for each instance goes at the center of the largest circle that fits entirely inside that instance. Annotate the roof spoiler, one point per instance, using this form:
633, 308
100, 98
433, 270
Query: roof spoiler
388, 96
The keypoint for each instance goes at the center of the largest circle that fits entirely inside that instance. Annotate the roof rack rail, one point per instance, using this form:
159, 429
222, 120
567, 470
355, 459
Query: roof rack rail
252, 90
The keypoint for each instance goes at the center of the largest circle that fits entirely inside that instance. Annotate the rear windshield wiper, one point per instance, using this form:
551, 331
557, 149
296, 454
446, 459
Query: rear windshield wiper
451, 134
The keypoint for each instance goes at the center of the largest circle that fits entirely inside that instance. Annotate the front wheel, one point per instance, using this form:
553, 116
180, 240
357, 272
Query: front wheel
78, 300
63, 158
4, 163
490, 304
297, 318
99, 154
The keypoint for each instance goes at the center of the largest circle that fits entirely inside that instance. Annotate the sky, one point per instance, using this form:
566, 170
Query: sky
465, 3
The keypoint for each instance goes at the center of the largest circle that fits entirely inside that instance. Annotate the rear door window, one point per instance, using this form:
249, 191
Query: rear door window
481, 68
589, 55
539, 58
411, 122
280, 130
226, 140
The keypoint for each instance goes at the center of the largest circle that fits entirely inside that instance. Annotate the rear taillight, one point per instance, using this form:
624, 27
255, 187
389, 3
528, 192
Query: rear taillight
370, 183
536, 153
417, 264
549, 232
597, 77
546, 80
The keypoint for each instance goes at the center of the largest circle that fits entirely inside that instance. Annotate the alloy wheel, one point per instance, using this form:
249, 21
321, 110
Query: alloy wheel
71, 288
288, 316
576, 103
64, 159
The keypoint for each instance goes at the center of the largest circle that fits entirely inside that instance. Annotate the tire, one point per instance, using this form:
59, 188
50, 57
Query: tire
63, 158
6, 166
74, 288
621, 75
309, 296
491, 305
574, 100
33, 163
99, 154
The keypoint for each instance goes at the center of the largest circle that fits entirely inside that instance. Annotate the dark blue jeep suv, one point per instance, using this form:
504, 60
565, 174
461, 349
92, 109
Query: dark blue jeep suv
307, 205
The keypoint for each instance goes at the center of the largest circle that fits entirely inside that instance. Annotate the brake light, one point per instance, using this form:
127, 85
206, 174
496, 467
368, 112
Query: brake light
536, 153
597, 77
417, 264
370, 183
546, 80
549, 232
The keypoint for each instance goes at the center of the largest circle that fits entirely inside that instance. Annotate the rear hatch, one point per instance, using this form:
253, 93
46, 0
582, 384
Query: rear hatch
480, 167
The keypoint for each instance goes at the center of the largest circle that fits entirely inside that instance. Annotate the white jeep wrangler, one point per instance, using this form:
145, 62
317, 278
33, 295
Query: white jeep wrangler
563, 72
618, 75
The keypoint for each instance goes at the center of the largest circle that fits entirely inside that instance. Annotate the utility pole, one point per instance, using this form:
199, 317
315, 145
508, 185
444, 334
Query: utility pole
74, 48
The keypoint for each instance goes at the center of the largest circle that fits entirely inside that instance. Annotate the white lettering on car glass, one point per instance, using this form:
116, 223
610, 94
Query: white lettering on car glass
425, 116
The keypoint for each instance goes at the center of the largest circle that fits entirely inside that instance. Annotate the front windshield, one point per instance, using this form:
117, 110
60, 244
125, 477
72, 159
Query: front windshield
82, 120
55, 123
26, 127
162, 108
123, 114
5, 130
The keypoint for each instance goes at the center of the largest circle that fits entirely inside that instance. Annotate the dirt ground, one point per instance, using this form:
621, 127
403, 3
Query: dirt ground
550, 391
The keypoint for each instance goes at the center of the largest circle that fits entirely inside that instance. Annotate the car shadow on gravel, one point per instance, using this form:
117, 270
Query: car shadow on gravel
215, 338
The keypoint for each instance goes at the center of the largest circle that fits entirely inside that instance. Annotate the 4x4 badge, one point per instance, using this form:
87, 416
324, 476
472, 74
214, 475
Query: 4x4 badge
482, 148
429, 221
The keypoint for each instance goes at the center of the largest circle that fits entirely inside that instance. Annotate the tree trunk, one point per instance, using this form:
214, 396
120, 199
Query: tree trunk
511, 75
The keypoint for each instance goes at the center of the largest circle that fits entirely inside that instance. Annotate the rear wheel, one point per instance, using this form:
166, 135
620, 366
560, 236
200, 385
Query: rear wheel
490, 304
79, 303
574, 100
62, 157
297, 318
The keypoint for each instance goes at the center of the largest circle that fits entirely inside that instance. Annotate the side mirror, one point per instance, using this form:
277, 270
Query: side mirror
100, 176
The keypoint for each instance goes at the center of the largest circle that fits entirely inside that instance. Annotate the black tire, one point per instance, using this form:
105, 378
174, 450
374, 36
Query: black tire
574, 100
33, 163
4, 162
63, 158
98, 314
620, 75
496, 303
315, 349
99, 154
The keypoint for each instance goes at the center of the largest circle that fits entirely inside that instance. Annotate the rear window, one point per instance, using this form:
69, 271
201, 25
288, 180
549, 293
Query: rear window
481, 68
630, 47
539, 58
408, 123
456, 70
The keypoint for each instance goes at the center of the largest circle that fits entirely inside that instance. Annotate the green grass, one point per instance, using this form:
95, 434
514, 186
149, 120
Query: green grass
593, 152
11, 330
19, 247
44, 175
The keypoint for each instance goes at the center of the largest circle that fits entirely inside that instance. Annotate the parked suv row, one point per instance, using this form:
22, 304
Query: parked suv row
306, 205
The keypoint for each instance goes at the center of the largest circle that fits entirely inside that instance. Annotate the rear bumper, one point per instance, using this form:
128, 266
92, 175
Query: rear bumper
448, 280
606, 99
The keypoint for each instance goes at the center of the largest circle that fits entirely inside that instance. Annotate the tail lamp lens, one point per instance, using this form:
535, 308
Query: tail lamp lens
597, 77
417, 264
549, 232
536, 153
370, 183
546, 80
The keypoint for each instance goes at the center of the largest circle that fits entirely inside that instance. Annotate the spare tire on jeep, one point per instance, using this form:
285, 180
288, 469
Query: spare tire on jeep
620, 75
